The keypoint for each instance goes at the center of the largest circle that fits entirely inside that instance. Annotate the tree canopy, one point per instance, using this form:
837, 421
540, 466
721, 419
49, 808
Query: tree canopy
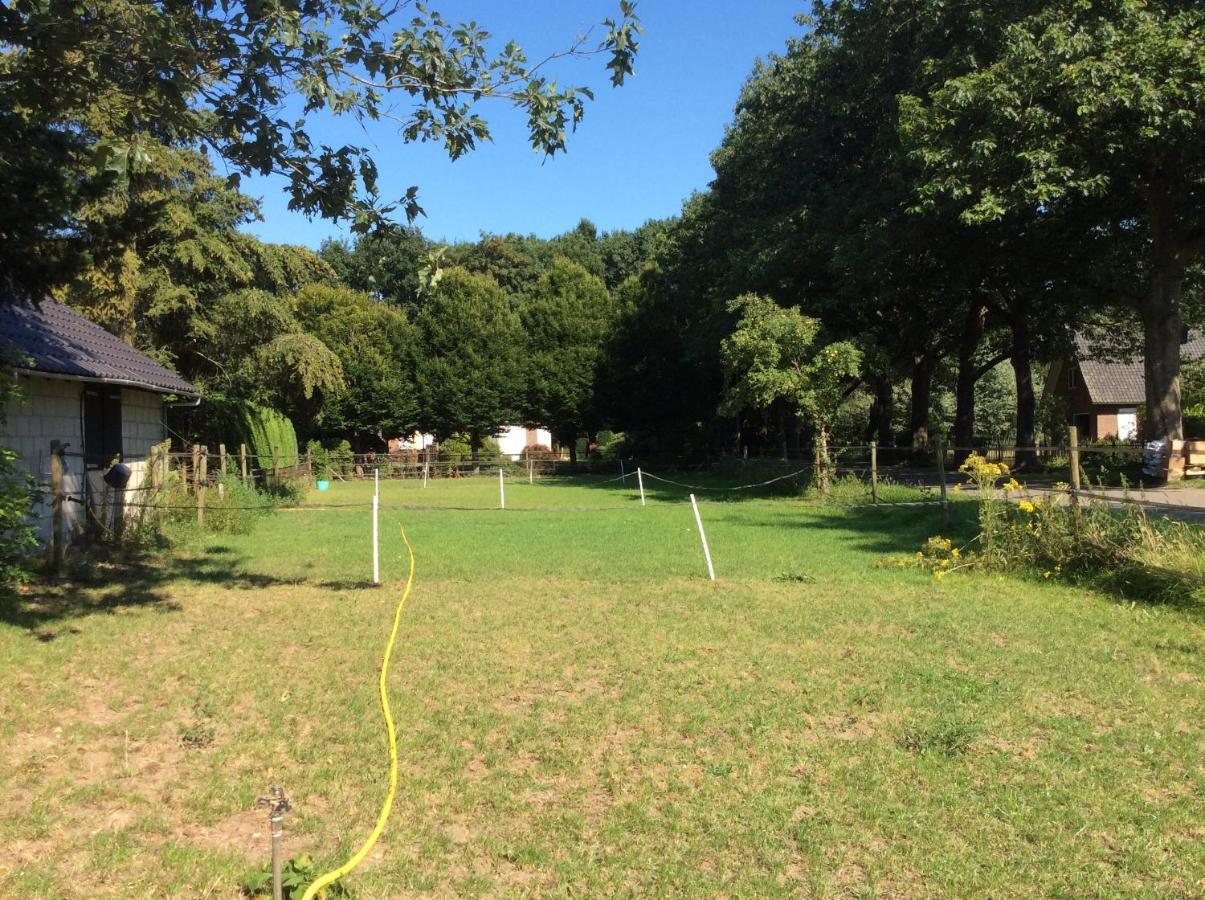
99, 89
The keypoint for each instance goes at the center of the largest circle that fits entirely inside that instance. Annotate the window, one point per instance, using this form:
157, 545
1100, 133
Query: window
102, 425
1073, 377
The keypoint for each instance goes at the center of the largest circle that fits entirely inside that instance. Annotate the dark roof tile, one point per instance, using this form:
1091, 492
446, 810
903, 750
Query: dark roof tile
1122, 382
51, 338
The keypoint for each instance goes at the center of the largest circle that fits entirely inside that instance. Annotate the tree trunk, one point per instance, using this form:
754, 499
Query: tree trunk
475, 443
884, 409
968, 375
820, 457
1162, 331
1021, 358
922, 387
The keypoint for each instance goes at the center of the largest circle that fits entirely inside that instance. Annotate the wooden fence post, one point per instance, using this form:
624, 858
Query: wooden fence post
196, 466
56, 516
874, 472
1073, 453
222, 459
242, 461
941, 474
202, 473
156, 481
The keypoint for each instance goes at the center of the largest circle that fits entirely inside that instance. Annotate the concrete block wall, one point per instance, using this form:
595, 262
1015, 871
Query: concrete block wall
51, 409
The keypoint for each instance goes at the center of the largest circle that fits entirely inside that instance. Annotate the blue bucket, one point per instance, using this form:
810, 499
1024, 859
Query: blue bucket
323, 485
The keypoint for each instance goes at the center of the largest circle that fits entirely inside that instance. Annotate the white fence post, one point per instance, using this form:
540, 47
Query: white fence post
376, 481
640, 481
501, 491
376, 543
703, 537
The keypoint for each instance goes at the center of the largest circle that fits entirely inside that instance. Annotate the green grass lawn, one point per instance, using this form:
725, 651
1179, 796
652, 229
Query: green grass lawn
582, 712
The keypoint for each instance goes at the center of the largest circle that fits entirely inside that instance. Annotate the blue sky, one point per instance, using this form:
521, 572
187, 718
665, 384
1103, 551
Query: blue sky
639, 153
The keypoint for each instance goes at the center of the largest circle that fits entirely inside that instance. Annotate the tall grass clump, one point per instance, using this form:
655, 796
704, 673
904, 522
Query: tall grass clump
231, 507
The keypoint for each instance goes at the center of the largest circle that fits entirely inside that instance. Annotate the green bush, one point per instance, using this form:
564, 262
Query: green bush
1121, 549
270, 437
458, 448
327, 461
17, 533
231, 507
319, 460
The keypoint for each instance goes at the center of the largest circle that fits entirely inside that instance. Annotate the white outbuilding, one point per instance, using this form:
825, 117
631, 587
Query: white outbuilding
89, 396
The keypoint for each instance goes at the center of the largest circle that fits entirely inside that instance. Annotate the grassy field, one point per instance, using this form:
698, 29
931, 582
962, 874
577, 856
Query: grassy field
582, 712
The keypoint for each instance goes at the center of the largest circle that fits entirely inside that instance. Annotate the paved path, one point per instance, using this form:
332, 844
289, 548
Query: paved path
1181, 501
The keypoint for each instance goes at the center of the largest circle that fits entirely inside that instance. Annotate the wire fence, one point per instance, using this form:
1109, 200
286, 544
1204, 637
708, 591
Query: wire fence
199, 482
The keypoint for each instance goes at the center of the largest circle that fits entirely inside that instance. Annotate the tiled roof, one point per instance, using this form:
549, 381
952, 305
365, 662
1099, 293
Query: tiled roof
53, 339
1122, 382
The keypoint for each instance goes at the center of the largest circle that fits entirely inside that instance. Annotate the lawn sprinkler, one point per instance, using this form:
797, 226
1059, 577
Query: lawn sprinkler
278, 804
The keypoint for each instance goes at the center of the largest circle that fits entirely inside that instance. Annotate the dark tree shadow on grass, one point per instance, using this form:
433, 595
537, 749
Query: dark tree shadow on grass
45, 607
902, 531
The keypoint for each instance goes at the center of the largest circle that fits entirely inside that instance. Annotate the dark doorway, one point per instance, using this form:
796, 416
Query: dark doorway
102, 426
1083, 426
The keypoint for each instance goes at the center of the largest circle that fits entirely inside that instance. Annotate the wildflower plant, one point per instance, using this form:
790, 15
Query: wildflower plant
1051, 537
994, 508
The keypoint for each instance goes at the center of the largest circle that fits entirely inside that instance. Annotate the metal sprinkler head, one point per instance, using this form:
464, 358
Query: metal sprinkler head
278, 804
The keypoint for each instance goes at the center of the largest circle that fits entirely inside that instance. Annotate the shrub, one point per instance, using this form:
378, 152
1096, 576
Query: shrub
231, 507
270, 437
17, 533
319, 460
330, 460
1122, 549
458, 448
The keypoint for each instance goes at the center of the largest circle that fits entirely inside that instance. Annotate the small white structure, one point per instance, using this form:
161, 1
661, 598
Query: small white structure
94, 394
416, 441
514, 439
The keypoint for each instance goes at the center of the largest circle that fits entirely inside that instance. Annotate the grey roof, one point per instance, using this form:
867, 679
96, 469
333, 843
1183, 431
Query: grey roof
1122, 382
52, 339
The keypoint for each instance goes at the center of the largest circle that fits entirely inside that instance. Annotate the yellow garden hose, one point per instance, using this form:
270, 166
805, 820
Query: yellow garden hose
329, 878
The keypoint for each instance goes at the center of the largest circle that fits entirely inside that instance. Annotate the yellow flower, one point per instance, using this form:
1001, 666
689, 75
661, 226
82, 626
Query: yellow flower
939, 574
1025, 506
957, 488
955, 553
945, 564
1011, 485
1062, 486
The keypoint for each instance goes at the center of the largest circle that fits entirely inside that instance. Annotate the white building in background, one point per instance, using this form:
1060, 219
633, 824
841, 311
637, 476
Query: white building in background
514, 439
93, 394
415, 441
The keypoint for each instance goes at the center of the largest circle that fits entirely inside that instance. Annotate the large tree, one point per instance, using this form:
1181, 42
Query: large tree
1095, 104
568, 317
775, 355
95, 87
376, 346
469, 365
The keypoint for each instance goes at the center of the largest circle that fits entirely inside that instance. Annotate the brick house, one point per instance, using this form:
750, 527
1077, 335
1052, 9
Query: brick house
90, 391
1102, 396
